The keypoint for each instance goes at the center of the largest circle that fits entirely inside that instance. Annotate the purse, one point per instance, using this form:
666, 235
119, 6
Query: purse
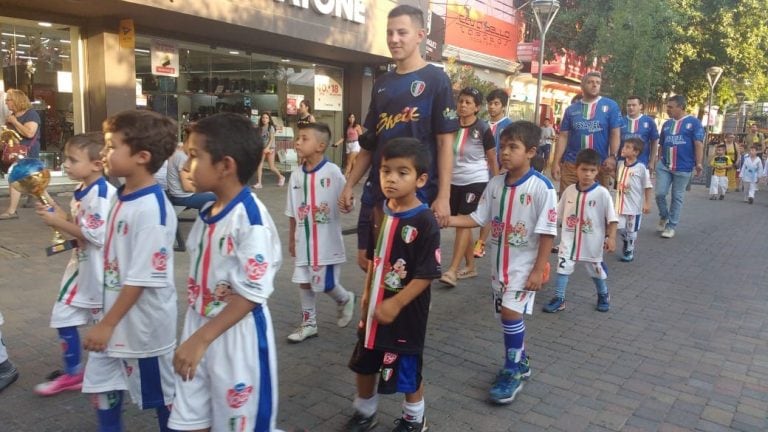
12, 149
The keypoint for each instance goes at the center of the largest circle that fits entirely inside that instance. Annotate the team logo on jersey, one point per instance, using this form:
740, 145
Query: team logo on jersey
226, 245
591, 203
160, 260
256, 267
689, 126
390, 358
238, 423
393, 279
94, 221
526, 199
325, 182
438, 256
417, 88
605, 108
303, 211
571, 222
552, 215
193, 290
470, 197
586, 226
518, 235
122, 227
409, 234
497, 227
645, 124
475, 134
111, 275
387, 373
238, 395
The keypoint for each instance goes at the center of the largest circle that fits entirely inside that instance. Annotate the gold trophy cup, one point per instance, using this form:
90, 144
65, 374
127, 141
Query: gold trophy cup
30, 176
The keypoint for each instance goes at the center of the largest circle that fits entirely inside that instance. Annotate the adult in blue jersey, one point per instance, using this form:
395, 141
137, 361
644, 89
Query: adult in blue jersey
681, 152
414, 100
593, 122
639, 125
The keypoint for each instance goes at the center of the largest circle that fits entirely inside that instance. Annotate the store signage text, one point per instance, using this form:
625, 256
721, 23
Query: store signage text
349, 10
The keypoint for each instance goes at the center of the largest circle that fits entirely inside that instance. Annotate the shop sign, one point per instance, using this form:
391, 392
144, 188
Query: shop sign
165, 58
435, 37
127, 34
292, 103
328, 90
570, 65
349, 10
476, 31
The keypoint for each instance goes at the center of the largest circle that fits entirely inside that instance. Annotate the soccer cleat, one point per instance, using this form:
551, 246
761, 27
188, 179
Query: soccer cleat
345, 311
479, 249
628, 256
507, 385
9, 376
668, 233
60, 384
603, 302
557, 304
360, 423
303, 332
662, 225
403, 425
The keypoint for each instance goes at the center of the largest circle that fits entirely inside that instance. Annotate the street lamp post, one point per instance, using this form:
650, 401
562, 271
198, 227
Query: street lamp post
740, 123
544, 11
713, 74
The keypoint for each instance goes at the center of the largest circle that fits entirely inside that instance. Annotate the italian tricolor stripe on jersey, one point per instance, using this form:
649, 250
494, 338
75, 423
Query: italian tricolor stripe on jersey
461, 141
310, 229
587, 142
110, 233
671, 157
581, 202
506, 203
622, 182
380, 262
633, 125
69, 290
588, 110
202, 267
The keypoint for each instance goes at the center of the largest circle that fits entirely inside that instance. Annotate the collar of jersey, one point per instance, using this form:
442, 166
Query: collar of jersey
630, 166
521, 180
589, 189
406, 214
155, 188
80, 194
205, 214
477, 119
315, 169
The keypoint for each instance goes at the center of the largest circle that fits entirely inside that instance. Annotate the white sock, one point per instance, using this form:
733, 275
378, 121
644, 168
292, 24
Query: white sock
339, 294
366, 407
308, 309
413, 412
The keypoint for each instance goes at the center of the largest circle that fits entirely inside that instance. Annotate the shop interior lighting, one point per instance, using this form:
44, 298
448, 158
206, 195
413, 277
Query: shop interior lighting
285, 60
44, 24
24, 45
234, 52
13, 35
65, 41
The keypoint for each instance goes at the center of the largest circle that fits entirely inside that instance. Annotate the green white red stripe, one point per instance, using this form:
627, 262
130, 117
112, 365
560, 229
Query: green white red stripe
381, 258
66, 291
203, 265
622, 181
588, 110
460, 142
310, 229
587, 142
633, 125
506, 204
581, 202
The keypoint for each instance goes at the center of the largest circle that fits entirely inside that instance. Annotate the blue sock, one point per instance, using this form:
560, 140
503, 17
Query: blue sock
602, 288
70, 349
560, 284
109, 408
514, 335
163, 413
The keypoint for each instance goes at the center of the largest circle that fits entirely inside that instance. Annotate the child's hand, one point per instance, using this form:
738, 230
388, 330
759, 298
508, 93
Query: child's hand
535, 280
98, 337
646, 208
610, 244
188, 356
387, 311
51, 216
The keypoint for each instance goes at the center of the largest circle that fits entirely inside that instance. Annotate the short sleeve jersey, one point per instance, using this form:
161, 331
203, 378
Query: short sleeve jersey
408, 248
236, 251
469, 160
138, 251
643, 127
720, 165
173, 176
589, 126
496, 129
631, 183
519, 213
82, 283
417, 104
751, 169
585, 215
313, 202
678, 151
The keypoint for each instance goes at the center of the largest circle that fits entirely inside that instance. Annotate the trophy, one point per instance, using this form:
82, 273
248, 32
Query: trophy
30, 176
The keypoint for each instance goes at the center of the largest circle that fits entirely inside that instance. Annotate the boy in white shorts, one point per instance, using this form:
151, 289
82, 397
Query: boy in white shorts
633, 194
227, 363
79, 300
137, 333
588, 226
521, 206
315, 239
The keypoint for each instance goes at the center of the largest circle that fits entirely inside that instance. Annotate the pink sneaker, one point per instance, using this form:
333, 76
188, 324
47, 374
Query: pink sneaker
62, 383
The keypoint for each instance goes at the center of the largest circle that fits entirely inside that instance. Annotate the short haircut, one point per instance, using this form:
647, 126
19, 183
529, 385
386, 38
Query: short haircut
636, 144
678, 99
638, 98
720, 145
230, 134
755, 146
538, 163
408, 148
588, 157
91, 142
416, 15
499, 94
526, 132
591, 74
322, 130
474, 93
148, 131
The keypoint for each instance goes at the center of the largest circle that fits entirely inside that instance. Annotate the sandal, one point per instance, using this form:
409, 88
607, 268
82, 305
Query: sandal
466, 273
6, 216
449, 278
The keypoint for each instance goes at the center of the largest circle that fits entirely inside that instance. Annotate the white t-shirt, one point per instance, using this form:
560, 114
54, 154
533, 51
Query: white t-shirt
469, 162
584, 215
83, 279
161, 176
313, 201
173, 177
138, 251
234, 252
631, 183
519, 213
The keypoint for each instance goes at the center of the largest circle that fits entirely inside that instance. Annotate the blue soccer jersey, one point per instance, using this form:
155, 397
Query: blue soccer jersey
678, 151
417, 104
644, 128
589, 125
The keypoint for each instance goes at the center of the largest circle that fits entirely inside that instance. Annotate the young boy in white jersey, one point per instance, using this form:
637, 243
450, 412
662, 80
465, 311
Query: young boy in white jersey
79, 300
589, 224
751, 171
521, 206
315, 239
138, 329
720, 163
395, 303
226, 362
633, 194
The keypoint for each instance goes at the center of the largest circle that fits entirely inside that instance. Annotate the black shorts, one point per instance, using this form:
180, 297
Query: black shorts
398, 373
364, 226
464, 198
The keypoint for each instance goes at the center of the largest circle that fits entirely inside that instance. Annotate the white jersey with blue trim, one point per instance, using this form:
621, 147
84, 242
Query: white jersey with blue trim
585, 216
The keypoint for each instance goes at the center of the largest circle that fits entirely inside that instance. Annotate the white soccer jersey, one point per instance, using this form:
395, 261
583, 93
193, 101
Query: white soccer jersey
82, 283
631, 183
751, 169
518, 214
585, 215
234, 252
138, 251
313, 201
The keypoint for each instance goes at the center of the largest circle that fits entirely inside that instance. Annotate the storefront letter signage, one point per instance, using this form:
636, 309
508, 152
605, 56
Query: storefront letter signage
165, 58
482, 33
350, 10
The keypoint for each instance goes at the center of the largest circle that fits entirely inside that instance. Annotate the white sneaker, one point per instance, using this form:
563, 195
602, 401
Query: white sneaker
346, 310
662, 226
302, 332
668, 233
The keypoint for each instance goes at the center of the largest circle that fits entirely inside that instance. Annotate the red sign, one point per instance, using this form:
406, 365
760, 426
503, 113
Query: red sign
482, 33
568, 65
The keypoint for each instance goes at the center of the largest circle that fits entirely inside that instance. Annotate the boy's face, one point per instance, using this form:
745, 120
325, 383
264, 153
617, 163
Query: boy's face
117, 158
403, 37
719, 151
629, 152
753, 152
495, 108
205, 173
77, 164
586, 173
466, 106
308, 143
514, 155
399, 179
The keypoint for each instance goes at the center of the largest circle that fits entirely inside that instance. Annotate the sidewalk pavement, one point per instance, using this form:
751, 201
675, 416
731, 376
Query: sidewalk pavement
683, 347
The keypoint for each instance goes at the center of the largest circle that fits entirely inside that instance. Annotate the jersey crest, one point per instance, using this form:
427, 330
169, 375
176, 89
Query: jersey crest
417, 88
160, 260
238, 396
256, 267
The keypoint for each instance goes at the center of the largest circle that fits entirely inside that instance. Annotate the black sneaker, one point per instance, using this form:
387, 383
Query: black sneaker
403, 425
360, 423
9, 376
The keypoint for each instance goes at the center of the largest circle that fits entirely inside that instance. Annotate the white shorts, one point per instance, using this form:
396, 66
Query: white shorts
235, 383
353, 147
64, 315
320, 279
520, 301
148, 380
595, 269
630, 222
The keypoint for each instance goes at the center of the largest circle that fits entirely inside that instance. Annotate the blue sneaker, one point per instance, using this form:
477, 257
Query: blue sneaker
524, 368
507, 385
557, 304
603, 302
628, 256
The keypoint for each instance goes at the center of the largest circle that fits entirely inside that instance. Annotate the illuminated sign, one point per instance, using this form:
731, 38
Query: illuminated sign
349, 10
